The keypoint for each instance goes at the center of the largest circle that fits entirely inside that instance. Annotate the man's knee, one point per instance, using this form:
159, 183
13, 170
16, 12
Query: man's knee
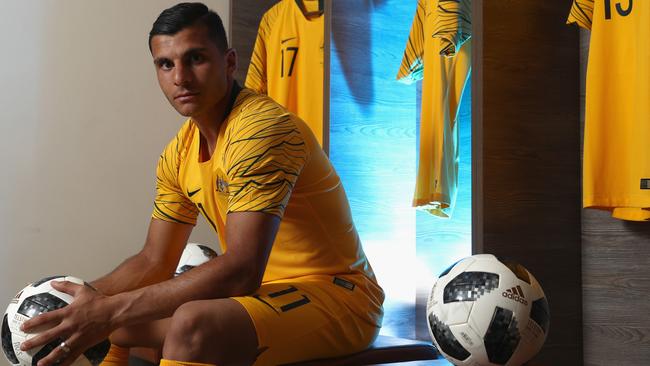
189, 328
211, 331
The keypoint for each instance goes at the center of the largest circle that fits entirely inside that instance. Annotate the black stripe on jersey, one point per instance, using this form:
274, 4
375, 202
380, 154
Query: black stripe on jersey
244, 167
461, 14
189, 209
163, 214
261, 136
412, 60
454, 23
264, 155
271, 172
259, 153
286, 150
207, 217
583, 11
278, 193
272, 188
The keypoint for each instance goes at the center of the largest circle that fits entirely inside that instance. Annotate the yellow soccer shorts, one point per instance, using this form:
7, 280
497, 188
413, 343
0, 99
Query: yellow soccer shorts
309, 318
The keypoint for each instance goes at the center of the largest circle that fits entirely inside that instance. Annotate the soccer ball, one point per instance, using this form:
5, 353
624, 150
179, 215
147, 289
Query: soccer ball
194, 255
39, 297
483, 312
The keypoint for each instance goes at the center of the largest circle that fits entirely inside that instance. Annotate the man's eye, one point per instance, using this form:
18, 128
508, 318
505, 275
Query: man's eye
165, 65
196, 58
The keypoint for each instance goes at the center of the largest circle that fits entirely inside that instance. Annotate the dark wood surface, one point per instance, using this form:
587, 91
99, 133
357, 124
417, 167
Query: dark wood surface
245, 18
528, 113
615, 279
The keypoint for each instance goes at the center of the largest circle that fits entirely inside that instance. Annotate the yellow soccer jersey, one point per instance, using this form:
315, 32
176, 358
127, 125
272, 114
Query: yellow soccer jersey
267, 160
287, 61
616, 164
434, 53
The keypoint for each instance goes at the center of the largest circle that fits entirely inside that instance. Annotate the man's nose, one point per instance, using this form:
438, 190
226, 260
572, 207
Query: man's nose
182, 75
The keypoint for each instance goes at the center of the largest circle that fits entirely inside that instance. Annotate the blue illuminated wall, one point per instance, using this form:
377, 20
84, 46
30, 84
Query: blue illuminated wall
373, 144
440, 242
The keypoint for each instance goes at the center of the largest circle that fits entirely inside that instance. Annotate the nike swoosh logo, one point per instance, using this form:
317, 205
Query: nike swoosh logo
288, 39
193, 192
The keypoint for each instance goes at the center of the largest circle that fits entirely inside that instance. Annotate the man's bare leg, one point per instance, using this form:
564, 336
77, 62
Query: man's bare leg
216, 332
149, 335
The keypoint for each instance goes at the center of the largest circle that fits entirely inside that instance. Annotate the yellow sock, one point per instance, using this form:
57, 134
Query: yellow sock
164, 362
117, 356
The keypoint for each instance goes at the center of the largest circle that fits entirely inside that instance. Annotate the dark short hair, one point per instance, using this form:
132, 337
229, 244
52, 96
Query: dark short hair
183, 15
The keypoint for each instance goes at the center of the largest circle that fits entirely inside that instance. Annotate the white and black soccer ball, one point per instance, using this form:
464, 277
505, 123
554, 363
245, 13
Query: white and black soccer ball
194, 255
483, 312
37, 298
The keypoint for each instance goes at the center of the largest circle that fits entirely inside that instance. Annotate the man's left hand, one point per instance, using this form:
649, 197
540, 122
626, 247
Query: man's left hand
81, 325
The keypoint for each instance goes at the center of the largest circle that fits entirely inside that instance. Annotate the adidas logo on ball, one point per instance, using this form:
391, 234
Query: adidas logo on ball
516, 294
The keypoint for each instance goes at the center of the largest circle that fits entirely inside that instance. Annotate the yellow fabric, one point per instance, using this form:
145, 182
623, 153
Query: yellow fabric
267, 160
453, 24
311, 318
287, 61
116, 356
616, 165
442, 89
311, 5
164, 362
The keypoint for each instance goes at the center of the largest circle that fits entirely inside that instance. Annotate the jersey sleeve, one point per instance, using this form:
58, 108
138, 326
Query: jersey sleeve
265, 156
582, 12
170, 204
256, 77
412, 67
453, 25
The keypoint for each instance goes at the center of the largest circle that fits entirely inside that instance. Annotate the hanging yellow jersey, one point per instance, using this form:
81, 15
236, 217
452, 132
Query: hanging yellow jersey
616, 164
267, 160
438, 51
287, 61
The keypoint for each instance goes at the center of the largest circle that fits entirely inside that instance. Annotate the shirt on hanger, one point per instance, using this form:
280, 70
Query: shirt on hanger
616, 163
439, 52
287, 61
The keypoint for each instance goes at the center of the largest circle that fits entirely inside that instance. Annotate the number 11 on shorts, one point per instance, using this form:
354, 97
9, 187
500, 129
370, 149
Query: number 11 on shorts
282, 300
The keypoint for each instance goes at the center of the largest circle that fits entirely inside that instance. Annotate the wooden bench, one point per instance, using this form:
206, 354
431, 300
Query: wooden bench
384, 350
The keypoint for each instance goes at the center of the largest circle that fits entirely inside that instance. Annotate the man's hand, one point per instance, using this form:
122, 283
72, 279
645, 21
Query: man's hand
82, 324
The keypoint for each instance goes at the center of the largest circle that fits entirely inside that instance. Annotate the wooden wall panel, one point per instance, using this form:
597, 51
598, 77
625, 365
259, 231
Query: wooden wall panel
245, 20
527, 111
615, 279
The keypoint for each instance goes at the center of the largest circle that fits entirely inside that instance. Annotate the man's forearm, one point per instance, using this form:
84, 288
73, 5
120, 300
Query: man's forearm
135, 272
221, 277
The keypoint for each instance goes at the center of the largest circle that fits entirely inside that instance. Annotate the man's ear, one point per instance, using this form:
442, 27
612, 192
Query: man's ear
231, 61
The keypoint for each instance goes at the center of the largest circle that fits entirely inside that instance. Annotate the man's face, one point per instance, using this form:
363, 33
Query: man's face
192, 72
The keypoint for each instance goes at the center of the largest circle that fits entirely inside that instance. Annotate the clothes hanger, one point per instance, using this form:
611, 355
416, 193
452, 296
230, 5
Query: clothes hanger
311, 14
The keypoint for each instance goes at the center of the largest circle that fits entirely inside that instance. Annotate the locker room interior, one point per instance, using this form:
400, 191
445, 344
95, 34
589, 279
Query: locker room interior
521, 124
526, 125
